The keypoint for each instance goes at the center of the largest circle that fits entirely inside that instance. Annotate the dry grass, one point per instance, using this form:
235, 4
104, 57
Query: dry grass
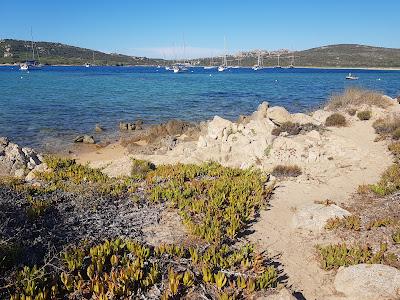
336, 120
351, 111
354, 97
364, 115
388, 127
286, 171
289, 127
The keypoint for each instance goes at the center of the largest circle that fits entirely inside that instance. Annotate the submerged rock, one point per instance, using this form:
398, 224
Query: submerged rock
15, 160
368, 282
314, 217
98, 128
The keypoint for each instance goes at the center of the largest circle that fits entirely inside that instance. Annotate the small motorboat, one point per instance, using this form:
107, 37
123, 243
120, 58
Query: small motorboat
351, 77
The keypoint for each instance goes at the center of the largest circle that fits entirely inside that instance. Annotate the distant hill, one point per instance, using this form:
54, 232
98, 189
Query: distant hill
343, 55
15, 51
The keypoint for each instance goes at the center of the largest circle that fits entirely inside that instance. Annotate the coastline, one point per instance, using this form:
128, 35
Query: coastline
243, 67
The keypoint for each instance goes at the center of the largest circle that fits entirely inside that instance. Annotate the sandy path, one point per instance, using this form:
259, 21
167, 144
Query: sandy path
274, 231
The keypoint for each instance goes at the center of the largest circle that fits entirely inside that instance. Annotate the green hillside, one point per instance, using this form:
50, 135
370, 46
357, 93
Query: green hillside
15, 51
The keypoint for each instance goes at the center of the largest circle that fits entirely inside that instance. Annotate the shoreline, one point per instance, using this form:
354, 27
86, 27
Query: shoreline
240, 67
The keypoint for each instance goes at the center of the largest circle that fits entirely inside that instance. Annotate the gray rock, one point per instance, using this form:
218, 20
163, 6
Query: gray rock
86, 139
17, 161
368, 282
283, 294
314, 217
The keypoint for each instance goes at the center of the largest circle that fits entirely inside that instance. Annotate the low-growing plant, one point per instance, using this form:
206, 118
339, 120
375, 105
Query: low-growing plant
140, 168
383, 222
286, 171
289, 127
396, 134
335, 120
335, 256
364, 115
395, 149
351, 111
386, 126
396, 236
389, 181
348, 222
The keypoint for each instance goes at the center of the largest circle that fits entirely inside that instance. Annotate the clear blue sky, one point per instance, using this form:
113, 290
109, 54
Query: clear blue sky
150, 27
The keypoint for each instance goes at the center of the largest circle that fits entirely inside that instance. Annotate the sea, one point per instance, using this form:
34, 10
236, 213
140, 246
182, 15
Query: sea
47, 108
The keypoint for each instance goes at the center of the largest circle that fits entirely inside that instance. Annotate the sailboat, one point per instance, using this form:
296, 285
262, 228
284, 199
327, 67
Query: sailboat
31, 64
279, 65
211, 66
351, 77
222, 67
291, 66
88, 65
260, 62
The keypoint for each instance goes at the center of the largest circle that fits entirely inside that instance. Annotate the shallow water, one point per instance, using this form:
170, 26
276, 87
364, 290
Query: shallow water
52, 105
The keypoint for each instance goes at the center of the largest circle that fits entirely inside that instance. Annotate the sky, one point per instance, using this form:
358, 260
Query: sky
160, 28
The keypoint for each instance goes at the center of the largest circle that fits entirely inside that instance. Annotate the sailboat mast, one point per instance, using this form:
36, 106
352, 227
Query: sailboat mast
33, 49
225, 61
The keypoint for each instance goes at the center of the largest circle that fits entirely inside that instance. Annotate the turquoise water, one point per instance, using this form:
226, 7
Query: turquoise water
56, 103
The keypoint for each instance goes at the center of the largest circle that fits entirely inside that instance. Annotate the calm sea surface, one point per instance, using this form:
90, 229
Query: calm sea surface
55, 104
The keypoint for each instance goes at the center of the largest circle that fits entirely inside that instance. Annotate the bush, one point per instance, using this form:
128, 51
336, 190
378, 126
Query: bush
351, 111
336, 120
395, 149
355, 97
386, 126
396, 133
289, 127
286, 171
364, 115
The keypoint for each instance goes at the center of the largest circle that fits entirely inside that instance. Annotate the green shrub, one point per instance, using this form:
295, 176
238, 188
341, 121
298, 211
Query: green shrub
396, 237
395, 149
364, 115
349, 222
286, 171
386, 126
336, 120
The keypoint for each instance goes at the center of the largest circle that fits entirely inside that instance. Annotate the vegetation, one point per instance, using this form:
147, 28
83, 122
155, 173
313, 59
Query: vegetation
389, 181
395, 149
348, 222
355, 97
335, 120
120, 269
396, 236
364, 115
216, 204
57, 53
335, 256
387, 127
352, 111
286, 171
289, 127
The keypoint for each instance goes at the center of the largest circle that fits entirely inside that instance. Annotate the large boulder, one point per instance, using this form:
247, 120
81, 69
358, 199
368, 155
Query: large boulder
15, 160
368, 282
314, 217
86, 139
278, 115
217, 126
261, 112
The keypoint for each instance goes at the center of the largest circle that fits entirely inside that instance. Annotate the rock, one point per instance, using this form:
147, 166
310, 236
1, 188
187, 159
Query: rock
137, 125
368, 282
398, 99
98, 128
86, 139
39, 168
303, 119
174, 127
17, 161
314, 217
261, 112
278, 115
283, 294
216, 127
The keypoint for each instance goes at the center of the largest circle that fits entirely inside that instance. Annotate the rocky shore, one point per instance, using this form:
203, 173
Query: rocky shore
324, 165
